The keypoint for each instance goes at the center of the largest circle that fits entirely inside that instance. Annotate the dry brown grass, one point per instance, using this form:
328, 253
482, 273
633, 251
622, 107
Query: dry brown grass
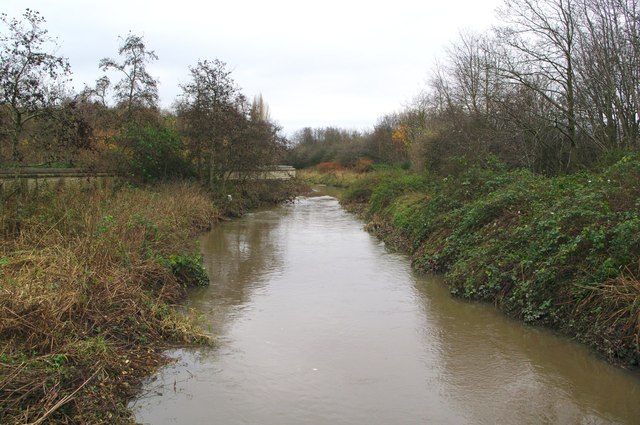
614, 308
338, 178
85, 297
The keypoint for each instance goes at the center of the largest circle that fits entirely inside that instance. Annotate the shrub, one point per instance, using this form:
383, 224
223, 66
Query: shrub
393, 185
329, 167
363, 165
187, 269
152, 153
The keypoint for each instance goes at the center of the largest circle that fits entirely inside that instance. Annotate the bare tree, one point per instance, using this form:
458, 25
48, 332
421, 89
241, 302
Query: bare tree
207, 111
540, 43
31, 75
551, 89
137, 88
98, 93
259, 109
467, 106
609, 71
469, 72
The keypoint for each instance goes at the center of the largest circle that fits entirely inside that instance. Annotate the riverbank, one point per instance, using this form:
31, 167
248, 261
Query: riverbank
88, 281
561, 252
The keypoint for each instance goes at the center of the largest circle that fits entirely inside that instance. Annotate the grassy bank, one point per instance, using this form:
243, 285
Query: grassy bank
562, 252
88, 277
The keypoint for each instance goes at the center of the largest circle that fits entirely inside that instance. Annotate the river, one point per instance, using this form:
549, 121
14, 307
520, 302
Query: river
319, 323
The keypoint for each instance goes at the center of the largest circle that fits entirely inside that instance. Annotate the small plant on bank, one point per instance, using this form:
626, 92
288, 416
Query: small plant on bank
187, 269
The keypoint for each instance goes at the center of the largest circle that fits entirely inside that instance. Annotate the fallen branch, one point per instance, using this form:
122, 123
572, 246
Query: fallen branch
64, 400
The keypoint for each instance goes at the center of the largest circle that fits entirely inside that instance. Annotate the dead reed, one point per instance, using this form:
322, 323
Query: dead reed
85, 296
614, 310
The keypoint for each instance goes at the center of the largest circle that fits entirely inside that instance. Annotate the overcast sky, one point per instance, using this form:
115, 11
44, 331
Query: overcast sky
341, 63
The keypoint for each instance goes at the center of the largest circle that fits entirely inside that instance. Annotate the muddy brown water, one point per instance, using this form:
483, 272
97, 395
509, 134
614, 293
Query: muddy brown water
319, 323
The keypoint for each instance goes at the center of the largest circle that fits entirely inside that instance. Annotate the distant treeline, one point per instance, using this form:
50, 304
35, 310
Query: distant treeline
554, 88
346, 147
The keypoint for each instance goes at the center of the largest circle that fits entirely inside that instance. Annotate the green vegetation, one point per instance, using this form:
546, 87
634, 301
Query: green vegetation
561, 252
151, 153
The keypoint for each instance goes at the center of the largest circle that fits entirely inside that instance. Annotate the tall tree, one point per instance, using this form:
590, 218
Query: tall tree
63, 133
609, 71
256, 143
224, 131
208, 112
31, 75
260, 109
541, 42
137, 88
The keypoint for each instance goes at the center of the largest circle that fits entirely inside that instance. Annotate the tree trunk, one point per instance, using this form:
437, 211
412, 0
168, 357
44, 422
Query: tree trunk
212, 172
16, 156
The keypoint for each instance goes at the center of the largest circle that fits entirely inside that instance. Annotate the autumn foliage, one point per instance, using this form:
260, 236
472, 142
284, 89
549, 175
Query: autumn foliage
329, 167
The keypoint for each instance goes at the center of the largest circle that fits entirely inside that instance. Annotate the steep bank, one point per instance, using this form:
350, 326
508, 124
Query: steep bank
562, 252
88, 280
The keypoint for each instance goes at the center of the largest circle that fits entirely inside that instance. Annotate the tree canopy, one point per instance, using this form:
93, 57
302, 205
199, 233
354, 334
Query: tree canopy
33, 76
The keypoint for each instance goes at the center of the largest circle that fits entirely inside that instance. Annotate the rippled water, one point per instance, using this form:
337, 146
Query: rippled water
319, 323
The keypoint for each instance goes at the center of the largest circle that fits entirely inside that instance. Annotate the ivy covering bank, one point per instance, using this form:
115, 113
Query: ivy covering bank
562, 252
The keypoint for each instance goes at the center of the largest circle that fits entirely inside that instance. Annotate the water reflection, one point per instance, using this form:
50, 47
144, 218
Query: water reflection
501, 371
240, 257
319, 323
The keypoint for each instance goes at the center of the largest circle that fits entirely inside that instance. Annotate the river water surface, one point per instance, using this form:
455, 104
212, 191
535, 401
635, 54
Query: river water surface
319, 323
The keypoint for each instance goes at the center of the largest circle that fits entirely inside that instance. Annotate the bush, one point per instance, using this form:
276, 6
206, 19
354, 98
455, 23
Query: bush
363, 165
187, 269
393, 185
329, 167
152, 153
